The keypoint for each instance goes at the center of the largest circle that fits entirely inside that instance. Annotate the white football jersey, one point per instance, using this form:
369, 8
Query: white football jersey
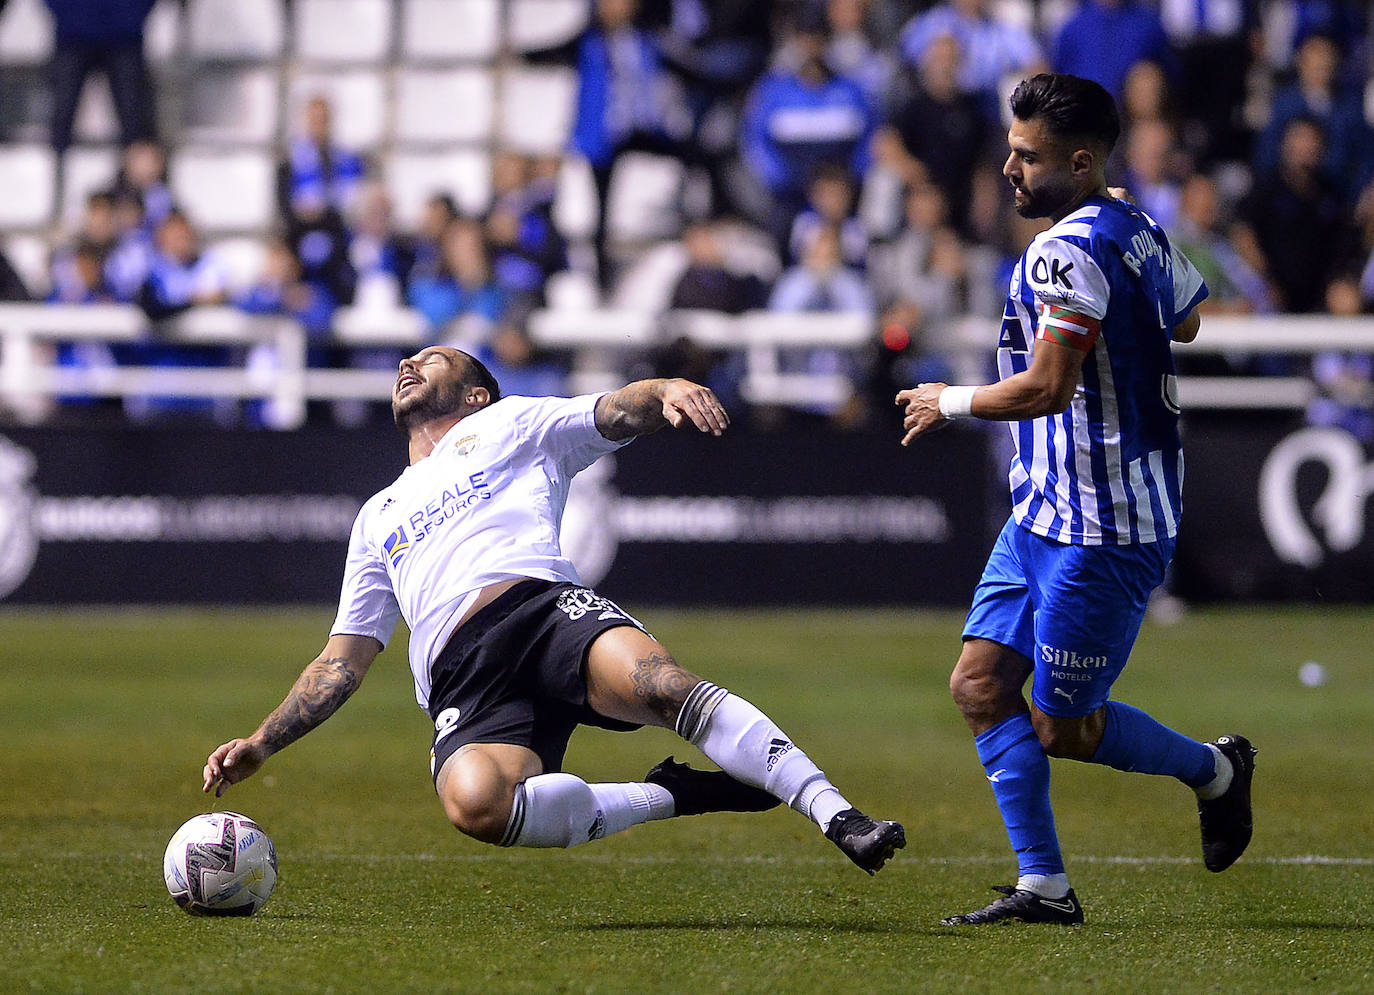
485, 506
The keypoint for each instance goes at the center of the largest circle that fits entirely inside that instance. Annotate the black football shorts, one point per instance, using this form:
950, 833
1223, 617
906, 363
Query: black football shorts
515, 672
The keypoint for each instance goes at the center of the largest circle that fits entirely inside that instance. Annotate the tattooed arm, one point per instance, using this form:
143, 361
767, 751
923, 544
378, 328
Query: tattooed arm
323, 686
648, 405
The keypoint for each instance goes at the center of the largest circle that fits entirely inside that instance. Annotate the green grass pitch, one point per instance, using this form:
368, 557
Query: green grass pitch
106, 717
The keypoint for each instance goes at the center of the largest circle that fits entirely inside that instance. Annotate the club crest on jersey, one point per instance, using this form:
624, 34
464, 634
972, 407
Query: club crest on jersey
465, 445
396, 545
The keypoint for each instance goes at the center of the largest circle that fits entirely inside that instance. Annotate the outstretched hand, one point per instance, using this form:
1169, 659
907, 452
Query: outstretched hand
922, 409
685, 401
231, 763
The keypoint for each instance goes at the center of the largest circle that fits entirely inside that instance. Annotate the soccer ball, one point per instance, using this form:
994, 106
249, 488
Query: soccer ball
220, 864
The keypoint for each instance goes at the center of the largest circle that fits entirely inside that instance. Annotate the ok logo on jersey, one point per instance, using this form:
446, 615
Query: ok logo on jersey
1053, 271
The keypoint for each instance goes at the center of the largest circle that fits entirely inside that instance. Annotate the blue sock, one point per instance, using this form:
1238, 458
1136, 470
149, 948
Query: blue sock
1019, 773
1132, 741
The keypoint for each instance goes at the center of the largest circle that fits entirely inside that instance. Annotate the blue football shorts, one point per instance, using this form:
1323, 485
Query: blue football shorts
1073, 611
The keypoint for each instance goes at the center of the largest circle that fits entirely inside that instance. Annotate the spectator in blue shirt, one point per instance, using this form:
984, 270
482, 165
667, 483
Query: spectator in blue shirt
801, 117
80, 279
994, 51
143, 177
380, 256
315, 165
462, 300
525, 243
181, 277
131, 259
1106, 37
279, 289
626, 101
1315, 93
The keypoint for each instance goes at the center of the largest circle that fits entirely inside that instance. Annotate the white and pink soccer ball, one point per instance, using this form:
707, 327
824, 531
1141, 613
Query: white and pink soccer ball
220, 864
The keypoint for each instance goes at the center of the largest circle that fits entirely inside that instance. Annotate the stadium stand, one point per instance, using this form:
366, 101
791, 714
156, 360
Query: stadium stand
434, 93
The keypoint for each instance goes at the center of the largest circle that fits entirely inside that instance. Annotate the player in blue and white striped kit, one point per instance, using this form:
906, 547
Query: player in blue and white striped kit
1087, 383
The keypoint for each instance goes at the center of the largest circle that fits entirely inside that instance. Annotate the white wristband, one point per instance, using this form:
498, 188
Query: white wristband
957, 402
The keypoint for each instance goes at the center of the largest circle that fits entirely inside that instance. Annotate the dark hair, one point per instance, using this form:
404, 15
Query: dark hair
1071, 106
479, 376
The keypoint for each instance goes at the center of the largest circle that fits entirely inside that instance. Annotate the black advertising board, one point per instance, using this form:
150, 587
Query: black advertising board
145, 515
1275, 510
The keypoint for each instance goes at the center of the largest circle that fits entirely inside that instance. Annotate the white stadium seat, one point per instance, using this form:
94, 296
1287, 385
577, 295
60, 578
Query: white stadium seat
343, 30
644, 197
242, 259
25, 33
569, 290
224, 191
162, 32
648, 282
537, 109
574, 199
96, 120
29, 256
85, 170
534, 24
236, 29
357, 97
450, 30
1052, 14
1020, 13
444, 106
239, 106
26, 195
413, 177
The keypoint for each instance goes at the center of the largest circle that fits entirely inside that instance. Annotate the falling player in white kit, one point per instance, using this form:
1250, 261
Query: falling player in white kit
510, 652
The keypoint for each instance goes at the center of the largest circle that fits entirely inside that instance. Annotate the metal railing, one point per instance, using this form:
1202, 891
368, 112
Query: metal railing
608, 340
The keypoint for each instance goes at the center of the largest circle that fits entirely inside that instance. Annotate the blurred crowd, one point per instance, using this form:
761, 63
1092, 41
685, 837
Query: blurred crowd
836, 156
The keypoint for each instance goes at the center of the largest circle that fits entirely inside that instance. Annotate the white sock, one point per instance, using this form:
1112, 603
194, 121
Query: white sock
564, 810
1217, 786
748, 746
1049, 886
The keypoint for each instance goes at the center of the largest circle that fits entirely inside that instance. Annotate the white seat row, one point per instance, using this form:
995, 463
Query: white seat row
229, 190
526, 108
368, 32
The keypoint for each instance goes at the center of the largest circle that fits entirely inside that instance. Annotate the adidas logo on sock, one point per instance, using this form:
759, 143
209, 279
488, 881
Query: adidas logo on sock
777, 749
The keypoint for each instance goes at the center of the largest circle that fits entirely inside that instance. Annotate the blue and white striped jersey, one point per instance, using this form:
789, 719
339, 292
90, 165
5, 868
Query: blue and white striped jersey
1109, 470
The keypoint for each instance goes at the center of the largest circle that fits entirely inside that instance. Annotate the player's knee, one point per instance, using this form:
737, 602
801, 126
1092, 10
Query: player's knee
976, 694
477, 800
1065, 738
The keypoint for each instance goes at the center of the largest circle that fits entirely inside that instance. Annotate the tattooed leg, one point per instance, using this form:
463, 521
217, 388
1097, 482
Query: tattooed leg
662, 685
631, 676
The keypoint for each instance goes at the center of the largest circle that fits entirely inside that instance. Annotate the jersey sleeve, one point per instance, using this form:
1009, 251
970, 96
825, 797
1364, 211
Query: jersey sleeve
565, 429
1190, 289
367, 604
1071, 291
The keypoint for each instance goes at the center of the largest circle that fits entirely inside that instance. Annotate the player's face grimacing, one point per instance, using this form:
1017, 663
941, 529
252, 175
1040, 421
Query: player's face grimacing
428, 385
1041, 170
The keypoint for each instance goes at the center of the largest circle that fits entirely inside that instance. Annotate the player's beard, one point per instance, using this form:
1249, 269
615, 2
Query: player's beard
1045, 201
428, 402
